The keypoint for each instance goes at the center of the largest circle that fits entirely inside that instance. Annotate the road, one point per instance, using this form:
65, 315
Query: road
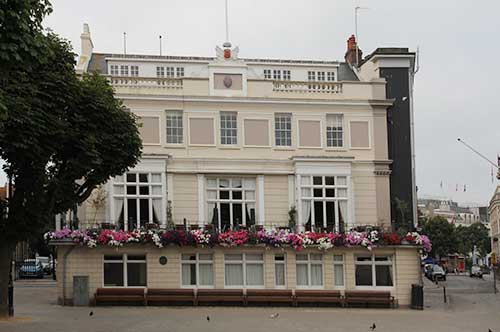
469, 308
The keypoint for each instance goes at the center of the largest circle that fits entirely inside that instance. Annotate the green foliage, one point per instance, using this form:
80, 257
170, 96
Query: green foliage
60, 136
442, 235
292, 218
476, 234
21, 40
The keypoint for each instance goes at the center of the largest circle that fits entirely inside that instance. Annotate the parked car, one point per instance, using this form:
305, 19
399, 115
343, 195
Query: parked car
435, 272
31, 268
475, 271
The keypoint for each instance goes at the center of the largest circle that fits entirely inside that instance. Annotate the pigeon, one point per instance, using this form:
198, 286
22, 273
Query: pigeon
489, 330
208, 318
373, 327
91, 313
276, 315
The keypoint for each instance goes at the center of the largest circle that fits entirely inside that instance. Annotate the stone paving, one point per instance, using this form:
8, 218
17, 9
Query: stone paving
36, 310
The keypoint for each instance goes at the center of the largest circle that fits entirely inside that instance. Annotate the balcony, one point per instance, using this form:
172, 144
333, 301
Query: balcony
255, 88
307, 87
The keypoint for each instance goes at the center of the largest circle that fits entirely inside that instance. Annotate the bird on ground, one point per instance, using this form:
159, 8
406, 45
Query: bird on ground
276, 315
91, 313
208, 318
373, 327
489, 330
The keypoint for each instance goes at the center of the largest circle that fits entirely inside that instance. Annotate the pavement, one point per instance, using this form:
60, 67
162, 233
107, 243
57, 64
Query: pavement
471, 306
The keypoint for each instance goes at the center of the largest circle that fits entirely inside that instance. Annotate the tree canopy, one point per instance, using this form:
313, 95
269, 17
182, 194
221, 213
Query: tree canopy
474, 235
442, 235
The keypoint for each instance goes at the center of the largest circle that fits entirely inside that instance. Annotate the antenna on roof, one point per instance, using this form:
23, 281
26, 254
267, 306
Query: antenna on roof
356, 9
160, 46
124, 43
227, 43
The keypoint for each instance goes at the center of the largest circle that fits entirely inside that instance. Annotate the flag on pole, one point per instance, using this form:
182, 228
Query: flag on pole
465, 188
498, 160
441, 184
456, 187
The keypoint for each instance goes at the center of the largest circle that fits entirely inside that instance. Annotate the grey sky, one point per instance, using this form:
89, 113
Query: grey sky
455, 91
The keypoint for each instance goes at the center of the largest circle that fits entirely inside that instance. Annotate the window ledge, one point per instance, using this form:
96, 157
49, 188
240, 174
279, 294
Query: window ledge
229, 147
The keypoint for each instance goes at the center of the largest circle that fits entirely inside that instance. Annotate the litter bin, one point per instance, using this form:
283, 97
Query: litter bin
417, 297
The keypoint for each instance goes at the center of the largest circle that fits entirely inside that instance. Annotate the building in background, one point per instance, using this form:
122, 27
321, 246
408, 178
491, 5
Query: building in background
494, 219
455, 214
238, 143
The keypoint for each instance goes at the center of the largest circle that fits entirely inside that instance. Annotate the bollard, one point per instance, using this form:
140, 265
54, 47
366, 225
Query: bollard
444, 293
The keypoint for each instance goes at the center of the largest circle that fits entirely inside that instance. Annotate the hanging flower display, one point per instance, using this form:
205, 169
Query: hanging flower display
234, 238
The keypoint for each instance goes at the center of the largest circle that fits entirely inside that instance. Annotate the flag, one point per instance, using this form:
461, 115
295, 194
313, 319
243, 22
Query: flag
456, 187
441, 184
465, 188
498, 160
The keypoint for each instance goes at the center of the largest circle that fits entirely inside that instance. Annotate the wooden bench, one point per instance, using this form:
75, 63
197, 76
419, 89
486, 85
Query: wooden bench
369, 297
120, 296
267, 296
318, 296
220, 296
168, 295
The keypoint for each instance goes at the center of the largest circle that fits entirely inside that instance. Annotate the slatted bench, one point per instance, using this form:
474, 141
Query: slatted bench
120, 296
170, 296
318, 297
220, 296
268, 296
369, 298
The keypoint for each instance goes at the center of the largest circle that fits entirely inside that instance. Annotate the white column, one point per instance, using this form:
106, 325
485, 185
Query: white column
260, 188
299, 204
164, 198
291, 191
352, 203
201, 202
110, 207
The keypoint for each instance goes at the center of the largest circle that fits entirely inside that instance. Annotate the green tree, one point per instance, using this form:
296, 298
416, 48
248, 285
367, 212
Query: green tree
442, 235
474, 235
60, 135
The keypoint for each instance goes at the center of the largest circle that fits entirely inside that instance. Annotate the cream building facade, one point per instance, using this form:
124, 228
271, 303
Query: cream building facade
237, 143
494, 217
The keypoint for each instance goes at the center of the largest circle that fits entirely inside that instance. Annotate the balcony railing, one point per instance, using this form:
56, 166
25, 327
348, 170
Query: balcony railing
307, 87
146, 82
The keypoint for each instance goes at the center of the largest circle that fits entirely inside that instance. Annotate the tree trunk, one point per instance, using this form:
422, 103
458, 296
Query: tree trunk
5, 265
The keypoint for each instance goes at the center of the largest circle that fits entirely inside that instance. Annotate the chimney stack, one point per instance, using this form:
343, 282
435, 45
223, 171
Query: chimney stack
350, 54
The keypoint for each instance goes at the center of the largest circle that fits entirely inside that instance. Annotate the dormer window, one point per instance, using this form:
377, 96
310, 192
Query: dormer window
134, 71
114, 70
123, 70
267, 74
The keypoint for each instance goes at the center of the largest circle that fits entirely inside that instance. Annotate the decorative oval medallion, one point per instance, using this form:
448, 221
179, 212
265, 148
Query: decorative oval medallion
228, 81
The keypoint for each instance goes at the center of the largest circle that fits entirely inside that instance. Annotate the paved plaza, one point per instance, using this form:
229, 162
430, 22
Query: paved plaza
471, 307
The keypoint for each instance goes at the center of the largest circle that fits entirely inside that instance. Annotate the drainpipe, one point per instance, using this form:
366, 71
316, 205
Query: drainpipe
65, 260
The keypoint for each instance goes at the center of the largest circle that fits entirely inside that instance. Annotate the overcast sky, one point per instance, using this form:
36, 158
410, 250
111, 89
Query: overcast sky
456, 88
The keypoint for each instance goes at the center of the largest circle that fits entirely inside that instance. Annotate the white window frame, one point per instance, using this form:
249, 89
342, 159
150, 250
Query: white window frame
134, 71
124, 260
228, 125
276, 74
197, 262
124, 70
170, 72
320, 75
280, 263
373, 264
244, 261
287, 75
174, 116
179, 71
339, 262
336, 186
244, 201
115, 70
268, 74
311, 76
310, 262
282, 119
160, 72
332, 127
121, 181
330, 76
